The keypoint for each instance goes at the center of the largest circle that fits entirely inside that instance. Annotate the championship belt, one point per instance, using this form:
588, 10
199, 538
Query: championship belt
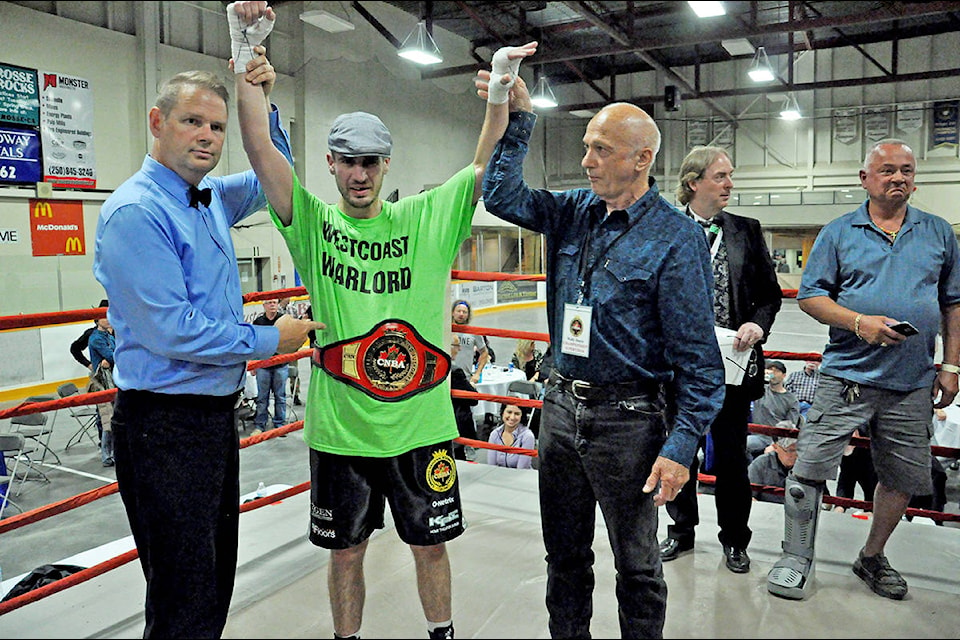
392, 362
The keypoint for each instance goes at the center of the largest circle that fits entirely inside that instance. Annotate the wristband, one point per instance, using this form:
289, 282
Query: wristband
244, 38
856, 325
949, 368
501, 65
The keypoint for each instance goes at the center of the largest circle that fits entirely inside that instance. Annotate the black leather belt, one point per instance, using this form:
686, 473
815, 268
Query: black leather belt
605, 392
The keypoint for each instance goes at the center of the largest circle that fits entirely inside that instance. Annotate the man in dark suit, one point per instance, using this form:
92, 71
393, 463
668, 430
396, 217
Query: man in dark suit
747, 298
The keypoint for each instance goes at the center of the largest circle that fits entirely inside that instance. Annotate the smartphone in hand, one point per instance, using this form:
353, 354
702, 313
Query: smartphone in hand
905, 328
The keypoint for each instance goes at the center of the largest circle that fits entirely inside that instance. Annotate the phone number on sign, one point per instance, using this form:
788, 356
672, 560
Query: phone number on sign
85, 172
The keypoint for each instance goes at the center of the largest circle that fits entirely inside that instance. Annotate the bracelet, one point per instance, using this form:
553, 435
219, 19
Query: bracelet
949, 368
856, 325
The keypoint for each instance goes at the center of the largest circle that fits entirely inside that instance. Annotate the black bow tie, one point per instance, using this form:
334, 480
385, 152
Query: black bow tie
705, 223
199, 196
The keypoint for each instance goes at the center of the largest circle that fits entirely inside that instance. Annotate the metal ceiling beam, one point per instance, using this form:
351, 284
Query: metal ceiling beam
803, 86
703, 36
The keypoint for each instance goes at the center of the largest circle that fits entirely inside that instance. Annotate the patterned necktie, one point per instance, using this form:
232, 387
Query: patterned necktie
199, 196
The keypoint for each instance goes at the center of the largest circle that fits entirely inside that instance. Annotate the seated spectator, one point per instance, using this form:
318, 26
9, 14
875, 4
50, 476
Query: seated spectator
528, 358
512, 432
466, 426
803, 384
771, 468
776, 405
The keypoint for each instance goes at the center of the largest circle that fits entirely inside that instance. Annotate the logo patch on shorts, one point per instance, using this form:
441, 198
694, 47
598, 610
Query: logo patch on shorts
441, 471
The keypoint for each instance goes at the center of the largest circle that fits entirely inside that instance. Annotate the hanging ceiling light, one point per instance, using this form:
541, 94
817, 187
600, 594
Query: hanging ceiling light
420, 46
760, 69
543, 96
791, 109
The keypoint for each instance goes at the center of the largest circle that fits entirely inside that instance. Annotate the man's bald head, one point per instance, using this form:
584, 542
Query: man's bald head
629, 122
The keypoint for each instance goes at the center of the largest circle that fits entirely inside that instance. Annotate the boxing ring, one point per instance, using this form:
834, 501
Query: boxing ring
498, 567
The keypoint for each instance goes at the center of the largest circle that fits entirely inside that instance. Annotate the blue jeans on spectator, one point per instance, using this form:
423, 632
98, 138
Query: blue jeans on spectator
601, 453
271, 380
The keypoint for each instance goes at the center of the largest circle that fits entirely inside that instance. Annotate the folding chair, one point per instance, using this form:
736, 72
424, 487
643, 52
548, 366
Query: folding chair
86, 416
34, 426
12, 447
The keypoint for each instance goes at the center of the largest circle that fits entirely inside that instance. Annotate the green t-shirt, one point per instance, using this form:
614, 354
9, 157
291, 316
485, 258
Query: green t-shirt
361, 272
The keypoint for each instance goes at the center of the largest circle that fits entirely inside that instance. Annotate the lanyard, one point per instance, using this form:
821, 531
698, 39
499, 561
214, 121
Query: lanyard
586, 271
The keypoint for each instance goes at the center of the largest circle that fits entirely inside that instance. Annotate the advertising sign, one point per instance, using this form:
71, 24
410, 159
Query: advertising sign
56, 227
66, 124
19, 156
19, 103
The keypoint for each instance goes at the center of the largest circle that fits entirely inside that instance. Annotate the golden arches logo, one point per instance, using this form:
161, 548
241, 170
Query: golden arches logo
42, 209
74, 245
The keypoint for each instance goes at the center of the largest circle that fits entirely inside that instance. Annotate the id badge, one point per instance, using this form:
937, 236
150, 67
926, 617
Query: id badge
576, 330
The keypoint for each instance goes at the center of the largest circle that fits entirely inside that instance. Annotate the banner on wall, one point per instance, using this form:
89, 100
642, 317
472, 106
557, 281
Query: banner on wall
846, 127
19, 103
516, 291
725, 135
66, 126
945, 123
19, 156
876, 123
698, 133
56, 227
910, 116
478, 294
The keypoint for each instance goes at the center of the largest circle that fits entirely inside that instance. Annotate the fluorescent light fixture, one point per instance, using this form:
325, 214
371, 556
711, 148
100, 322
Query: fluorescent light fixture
760, 69
543, 96
583, 113
707, 9
738, 47
326, 21
791, 109
420, 46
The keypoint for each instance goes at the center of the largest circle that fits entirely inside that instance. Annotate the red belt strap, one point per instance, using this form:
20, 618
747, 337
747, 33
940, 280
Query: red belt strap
392, 362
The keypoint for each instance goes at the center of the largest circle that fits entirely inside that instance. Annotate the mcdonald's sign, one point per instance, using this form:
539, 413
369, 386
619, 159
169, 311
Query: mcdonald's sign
42, 209
73, 245
56, 228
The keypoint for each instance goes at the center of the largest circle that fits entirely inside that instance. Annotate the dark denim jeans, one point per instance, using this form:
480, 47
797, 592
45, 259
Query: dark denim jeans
600, 453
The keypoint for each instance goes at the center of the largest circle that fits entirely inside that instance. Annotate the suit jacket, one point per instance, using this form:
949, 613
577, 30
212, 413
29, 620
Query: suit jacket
755, 294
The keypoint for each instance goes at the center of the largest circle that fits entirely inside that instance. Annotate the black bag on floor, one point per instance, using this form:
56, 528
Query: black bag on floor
40, 577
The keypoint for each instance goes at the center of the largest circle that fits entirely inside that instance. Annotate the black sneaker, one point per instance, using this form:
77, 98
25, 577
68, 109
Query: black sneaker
442, 633
880, 576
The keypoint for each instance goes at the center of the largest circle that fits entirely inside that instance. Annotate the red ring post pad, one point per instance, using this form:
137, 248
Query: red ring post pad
390, 363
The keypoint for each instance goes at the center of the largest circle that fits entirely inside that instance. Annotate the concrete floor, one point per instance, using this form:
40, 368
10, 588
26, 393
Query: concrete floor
498, 563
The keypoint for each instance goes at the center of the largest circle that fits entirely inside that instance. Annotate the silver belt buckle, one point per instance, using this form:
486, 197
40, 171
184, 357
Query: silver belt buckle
574, 385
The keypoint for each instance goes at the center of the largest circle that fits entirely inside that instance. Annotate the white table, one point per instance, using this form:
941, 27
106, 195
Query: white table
494, 381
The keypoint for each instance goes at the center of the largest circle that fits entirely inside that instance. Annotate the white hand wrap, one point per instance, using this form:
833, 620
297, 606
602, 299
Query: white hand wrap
499, 93
244, 39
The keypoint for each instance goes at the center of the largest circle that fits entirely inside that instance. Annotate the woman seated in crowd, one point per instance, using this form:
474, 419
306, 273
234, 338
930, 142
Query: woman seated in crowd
527, 357
512, 432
